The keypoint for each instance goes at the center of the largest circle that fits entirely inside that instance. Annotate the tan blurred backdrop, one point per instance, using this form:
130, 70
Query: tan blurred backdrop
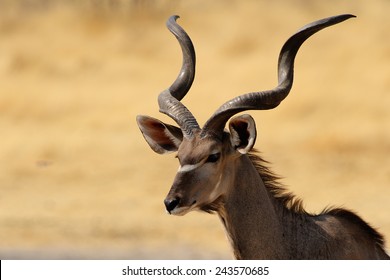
77, 179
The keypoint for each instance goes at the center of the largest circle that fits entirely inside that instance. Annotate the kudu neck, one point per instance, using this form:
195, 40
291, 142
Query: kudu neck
249, 214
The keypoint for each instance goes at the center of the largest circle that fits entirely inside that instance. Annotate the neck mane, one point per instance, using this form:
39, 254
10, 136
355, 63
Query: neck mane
285, 199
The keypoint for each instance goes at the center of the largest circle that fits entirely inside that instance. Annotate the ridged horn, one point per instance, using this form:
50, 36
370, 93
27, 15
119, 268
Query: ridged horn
265, 100
169, 99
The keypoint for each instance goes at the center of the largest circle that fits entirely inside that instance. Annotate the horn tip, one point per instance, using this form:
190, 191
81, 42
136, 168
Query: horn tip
347, 16
173, 18
343, 17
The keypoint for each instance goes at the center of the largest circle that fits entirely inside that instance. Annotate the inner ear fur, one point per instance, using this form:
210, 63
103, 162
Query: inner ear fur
161, 137
243, 133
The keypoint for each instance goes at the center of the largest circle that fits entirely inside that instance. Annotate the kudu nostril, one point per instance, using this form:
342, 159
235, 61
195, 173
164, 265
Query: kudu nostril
171, 204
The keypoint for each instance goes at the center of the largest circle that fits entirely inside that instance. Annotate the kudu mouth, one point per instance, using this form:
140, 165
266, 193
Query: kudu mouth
172, 205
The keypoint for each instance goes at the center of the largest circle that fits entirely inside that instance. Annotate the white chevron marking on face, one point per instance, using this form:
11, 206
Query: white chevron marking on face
189, 167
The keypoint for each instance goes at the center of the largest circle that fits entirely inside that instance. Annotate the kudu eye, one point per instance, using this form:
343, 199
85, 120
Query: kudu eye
213, 157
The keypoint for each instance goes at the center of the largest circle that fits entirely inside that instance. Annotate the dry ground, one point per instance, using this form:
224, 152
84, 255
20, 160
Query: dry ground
77, 179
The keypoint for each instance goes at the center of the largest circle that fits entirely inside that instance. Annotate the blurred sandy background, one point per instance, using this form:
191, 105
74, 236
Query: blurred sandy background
77, 179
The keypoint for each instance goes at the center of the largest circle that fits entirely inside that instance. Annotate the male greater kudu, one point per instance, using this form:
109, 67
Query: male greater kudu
218, 173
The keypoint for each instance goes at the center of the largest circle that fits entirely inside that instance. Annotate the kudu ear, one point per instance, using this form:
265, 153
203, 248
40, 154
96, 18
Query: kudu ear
242, 133
161, 137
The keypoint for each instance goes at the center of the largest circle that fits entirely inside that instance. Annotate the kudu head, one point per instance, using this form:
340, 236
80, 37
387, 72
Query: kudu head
207, 154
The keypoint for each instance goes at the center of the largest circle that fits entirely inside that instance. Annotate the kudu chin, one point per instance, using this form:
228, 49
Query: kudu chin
220, 173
